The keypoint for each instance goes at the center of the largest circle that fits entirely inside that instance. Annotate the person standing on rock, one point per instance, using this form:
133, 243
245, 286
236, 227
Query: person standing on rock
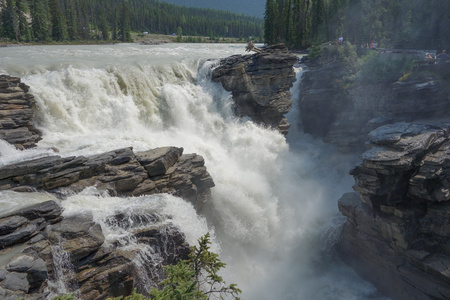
442, 57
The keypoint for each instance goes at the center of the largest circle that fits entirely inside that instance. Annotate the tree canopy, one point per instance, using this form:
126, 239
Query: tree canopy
417, 24
72, 20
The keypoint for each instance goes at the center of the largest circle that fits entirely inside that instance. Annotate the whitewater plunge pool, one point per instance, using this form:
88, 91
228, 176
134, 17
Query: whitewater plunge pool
273, 216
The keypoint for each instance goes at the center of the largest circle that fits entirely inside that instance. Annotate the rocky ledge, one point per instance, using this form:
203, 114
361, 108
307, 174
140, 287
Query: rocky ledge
120, 172
16, 113
260, 84
397, 233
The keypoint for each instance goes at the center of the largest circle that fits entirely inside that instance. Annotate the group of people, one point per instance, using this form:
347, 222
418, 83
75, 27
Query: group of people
439, 59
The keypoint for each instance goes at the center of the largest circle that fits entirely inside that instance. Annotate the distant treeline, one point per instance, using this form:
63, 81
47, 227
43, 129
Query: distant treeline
419, 24
78, 20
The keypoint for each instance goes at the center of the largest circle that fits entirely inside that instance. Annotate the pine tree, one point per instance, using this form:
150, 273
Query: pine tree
40, 21
59, 30
269, 22
104, 27
9, 20
23, 26
115, 25
124, 26
72, 20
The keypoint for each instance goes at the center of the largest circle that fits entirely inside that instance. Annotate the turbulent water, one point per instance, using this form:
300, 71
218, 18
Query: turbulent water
274, 211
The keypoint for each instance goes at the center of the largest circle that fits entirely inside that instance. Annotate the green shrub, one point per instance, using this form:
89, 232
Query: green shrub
379, 67
192, 279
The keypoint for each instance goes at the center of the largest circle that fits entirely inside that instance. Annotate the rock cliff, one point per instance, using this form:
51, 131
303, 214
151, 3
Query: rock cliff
16, 113
344, 115
397, 233
397, 230
260, 84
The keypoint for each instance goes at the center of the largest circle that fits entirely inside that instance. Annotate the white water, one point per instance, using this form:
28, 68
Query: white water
274, 206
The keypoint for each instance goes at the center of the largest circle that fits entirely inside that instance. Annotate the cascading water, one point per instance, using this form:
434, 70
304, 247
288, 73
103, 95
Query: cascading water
274, 203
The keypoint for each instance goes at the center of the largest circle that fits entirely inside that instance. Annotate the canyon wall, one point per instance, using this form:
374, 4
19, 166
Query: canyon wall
397, 230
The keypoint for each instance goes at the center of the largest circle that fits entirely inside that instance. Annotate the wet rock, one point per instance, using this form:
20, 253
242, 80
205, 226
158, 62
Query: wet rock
120, 172
260, 84
23, 224
15, 281
16, 113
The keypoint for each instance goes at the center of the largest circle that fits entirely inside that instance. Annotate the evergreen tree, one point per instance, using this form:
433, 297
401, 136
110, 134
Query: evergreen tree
40, 21
72, 20
318, 17
104, 27
9, 20
23, 26
269, 22
179, 34
115, 25
59, 30
124, 25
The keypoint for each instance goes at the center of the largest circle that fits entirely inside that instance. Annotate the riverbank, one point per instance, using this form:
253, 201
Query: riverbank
137, 37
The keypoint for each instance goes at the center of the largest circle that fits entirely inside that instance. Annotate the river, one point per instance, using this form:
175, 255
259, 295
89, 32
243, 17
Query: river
273, 214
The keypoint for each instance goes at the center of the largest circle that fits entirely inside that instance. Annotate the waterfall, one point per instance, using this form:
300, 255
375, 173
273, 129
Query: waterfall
275, 198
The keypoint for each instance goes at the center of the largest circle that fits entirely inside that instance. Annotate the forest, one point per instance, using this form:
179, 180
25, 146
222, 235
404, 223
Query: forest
407, 24
45, 21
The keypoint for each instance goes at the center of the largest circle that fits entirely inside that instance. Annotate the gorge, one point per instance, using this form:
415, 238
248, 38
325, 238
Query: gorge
139, 129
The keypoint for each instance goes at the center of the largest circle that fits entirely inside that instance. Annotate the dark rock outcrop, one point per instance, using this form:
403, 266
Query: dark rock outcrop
120, 172
260, 84
344, 115
16, 113
72, 252
397, 233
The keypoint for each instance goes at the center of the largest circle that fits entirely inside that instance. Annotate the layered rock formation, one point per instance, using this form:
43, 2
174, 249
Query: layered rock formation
344, 115
16, 113
120, 172
260, 84
397, 233
45, 250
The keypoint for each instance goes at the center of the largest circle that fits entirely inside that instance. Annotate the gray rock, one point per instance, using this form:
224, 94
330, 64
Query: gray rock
21, 263
260, 84
397, 233
16, 282
16, 113
158, 161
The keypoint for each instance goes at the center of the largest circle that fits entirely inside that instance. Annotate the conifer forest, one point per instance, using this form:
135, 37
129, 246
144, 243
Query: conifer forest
84, 20
419, 24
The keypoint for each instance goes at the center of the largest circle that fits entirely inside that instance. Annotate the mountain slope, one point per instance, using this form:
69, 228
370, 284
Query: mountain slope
247, 7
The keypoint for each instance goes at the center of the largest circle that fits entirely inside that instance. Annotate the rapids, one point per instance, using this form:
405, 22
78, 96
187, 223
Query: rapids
273, 215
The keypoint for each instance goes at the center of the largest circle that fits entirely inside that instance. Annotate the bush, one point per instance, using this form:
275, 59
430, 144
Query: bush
378, 67
192, 279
